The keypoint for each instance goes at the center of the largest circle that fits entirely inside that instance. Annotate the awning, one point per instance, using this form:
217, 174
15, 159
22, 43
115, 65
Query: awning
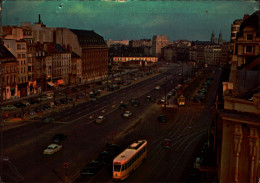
60, 82
51, 84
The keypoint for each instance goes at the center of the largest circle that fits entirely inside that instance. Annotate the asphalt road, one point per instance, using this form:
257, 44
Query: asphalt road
24, 145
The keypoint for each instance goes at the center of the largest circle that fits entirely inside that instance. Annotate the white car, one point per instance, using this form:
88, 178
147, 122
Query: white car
52, 148
127, 114
100, 119
157, 87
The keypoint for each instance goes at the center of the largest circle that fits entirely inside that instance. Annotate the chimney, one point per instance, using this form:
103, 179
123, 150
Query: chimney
40, 19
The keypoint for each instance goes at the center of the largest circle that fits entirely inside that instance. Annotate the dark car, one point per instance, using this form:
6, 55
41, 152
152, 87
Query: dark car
113, 149
19, 105
105, 157
91, 168
148, 98
48, 119
57, 102
64, 101
34, 101
122, 106
162, 118
46, 107
136, 103
59, 137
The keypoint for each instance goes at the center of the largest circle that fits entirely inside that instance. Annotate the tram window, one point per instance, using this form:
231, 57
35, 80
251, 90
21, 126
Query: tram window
117, 168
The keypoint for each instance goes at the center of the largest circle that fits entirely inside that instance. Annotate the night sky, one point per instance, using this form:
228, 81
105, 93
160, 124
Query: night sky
191, 20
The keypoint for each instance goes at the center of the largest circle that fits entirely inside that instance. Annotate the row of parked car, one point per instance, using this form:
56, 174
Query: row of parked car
203, 91
104, 158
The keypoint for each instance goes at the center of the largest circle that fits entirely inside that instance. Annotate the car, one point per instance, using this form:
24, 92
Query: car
148, 98
19, 105
113, 149
167, 143
59, 137
57, 102
26, 103
157, 88
133, 99
33, 101
127, 114
32, 112
8, 108
163, 99
136, 103
48, 119
51, 149
122, 106
91, 168
46, 107
105, 157
63, 101
162, 118
100, 119
170, 94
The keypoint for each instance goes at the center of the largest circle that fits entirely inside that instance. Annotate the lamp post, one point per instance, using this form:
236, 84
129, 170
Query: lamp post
165, 99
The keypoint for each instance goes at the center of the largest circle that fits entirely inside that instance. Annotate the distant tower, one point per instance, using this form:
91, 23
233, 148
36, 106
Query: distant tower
212, 37
220, 38
39, 19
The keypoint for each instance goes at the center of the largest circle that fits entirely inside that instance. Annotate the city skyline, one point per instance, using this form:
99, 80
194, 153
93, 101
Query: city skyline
190, 20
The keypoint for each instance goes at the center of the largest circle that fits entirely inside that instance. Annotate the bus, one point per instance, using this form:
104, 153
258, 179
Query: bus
129, 159
181, 100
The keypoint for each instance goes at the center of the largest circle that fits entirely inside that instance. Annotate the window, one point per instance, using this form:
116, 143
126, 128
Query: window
19, 47
23, 55
249, 49
18, 55
249, 37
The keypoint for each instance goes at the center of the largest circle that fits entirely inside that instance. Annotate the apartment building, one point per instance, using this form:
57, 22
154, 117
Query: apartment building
8, 74
158, 42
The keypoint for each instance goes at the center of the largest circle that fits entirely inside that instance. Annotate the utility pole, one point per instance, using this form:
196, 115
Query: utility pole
2, 145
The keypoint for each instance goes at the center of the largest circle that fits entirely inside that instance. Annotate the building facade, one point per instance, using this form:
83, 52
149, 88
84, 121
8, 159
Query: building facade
94, 55
8, 74
158, 42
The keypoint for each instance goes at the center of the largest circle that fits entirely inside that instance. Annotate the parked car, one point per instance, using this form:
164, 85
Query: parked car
100, 119
52, 148
46, 107
8, 108
59, 137
162, 118
113, 149
122, 106
127, 114
91, 168
32, 112
26, 103
33, 101
105, 157
63, 101
19, 105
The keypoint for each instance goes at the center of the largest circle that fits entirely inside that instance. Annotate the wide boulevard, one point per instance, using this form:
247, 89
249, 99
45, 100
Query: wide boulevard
186, 126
